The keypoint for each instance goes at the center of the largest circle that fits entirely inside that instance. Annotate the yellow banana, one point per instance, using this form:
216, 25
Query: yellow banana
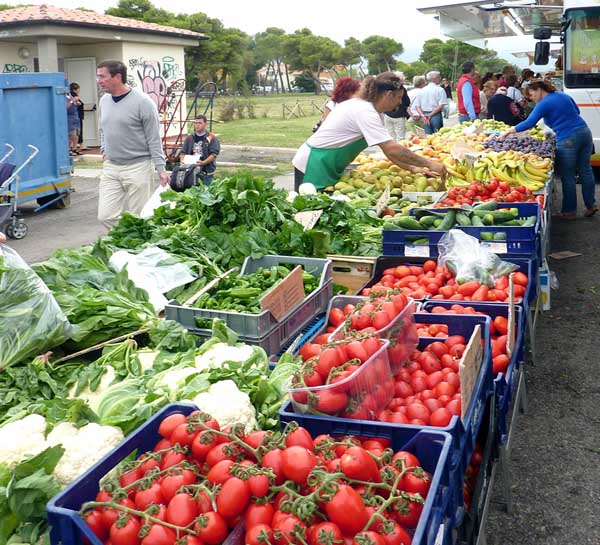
501, 175
536, 172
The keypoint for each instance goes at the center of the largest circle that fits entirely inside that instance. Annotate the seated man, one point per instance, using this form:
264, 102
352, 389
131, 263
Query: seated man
204, 147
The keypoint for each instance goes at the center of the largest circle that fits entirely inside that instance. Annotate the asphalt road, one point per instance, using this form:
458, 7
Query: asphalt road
556, 447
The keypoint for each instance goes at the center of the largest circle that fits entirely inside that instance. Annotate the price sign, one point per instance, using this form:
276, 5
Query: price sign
381, 204
285, 295
309, 218
468, 369
496, 247
510, 341
412, 250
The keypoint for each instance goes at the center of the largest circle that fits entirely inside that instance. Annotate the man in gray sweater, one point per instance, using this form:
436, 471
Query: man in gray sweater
130, 143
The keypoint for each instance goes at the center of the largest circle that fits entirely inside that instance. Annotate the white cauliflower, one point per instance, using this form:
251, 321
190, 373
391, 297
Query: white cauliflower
83, 447
93, 398
22, 439
219, 353
228, 405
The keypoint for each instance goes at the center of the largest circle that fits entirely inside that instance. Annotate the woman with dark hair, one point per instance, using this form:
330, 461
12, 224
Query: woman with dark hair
574, 144
75, 89
350, 128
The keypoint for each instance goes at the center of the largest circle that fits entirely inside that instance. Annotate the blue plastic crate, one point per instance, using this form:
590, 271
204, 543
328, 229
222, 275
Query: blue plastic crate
313, 328
505, 384
463, 433
525, 265
522, 241
66, 526
473, 520
433, 449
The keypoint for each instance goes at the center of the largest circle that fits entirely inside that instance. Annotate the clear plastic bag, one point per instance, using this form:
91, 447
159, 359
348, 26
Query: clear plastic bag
469, 261
31, 321
153, 270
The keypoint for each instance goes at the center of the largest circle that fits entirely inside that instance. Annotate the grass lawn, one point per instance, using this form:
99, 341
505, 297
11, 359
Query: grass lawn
269, 126
282, 168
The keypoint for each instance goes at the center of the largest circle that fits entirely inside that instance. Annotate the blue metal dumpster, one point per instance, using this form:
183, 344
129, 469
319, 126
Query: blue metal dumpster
33, 112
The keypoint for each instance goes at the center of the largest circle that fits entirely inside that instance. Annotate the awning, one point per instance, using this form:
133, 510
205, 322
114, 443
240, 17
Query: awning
474, 22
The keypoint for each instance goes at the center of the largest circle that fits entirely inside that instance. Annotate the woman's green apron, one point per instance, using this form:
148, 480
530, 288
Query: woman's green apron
326, 165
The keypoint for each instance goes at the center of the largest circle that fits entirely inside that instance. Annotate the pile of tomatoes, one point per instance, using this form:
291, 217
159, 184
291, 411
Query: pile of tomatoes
470, 478
389, 316
432, 281
349, 378
498, 334
493, 190
427, 389
200, 482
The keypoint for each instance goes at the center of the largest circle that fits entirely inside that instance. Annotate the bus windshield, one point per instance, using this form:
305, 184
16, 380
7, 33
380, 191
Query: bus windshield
582, 48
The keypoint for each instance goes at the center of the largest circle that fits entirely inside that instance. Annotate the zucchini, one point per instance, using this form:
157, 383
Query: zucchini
420, 242
407, 222
463, 219
513, 223
486, 236
476, 221
437, 223
488, 205
448, 221
499, 236
530, 221
500, 216
428, 221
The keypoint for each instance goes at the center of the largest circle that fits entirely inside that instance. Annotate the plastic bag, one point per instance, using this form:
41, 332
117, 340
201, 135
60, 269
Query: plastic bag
469, 261
153, 202
153, 270
31, 321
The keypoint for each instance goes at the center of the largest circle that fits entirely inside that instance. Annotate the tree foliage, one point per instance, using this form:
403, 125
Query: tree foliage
231, 58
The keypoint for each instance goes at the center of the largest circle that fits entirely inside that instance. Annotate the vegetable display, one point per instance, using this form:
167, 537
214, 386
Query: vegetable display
498, 334
486, 214
242, 293
431, 280
425, 391
493, 190
202, 478
31, 321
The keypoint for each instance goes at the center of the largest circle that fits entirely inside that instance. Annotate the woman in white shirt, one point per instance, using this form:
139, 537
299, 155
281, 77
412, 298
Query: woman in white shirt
350, 128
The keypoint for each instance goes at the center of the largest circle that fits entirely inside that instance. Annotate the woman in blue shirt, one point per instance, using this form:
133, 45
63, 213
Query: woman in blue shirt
574, 144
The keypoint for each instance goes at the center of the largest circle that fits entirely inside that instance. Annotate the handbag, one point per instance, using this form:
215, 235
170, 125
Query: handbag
184, 176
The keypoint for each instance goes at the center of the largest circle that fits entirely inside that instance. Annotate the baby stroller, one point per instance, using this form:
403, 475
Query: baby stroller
14, 226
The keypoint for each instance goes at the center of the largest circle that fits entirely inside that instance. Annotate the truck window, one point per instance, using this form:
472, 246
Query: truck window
582, 48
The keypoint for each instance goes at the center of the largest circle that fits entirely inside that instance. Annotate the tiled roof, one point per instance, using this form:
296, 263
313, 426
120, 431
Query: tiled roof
50, 14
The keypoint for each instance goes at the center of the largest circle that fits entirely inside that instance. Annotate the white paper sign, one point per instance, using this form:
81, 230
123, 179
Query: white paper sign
191, 159
412, 250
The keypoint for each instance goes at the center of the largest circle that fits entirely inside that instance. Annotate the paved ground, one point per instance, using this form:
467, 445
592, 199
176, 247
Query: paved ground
556, 453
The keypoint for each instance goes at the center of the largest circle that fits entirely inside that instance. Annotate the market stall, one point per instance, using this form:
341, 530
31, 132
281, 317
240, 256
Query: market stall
227, 300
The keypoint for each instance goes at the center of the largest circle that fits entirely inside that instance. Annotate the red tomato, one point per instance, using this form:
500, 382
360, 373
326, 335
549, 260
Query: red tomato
358, 464
324, 533
182, 510
407, 512
174, 480
336, 317
440, 417
169, 423
297, 462
347, 510
152, 494
233, 498
330, 402
211, 528
258, 513
259, 534
219, 473
419, 411
94, 520
369, 537
125, 534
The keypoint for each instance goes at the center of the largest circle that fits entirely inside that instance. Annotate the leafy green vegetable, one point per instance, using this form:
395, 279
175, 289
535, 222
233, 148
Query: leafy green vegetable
24, 492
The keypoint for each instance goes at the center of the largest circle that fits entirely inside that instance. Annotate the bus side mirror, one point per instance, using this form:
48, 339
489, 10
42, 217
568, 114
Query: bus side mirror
542, 33
542, 53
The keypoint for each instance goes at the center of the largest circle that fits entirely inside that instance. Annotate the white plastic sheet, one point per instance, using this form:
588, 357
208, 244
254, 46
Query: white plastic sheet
153, 202
153, 270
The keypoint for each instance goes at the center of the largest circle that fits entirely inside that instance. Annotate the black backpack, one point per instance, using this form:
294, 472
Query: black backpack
184, 176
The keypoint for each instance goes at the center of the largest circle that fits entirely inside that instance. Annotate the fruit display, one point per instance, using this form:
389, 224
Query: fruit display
201, 481
498, 333
480, 215
513, 167
432, 281
524, 144
493, 190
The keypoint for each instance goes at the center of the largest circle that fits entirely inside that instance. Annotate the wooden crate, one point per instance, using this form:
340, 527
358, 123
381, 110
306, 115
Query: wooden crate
352, 272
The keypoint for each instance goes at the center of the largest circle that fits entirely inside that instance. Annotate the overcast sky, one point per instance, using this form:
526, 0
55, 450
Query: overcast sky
337, 19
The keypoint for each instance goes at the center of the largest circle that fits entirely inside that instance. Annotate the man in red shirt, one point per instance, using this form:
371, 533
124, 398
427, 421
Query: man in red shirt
467, 93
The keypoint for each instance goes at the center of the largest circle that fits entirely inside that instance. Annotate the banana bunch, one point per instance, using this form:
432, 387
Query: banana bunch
512, 167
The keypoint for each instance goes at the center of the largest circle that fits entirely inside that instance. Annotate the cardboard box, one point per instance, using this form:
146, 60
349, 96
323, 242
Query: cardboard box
545, 285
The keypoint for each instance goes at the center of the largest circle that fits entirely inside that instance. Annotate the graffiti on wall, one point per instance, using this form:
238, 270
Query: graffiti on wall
10, 68
157, 78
